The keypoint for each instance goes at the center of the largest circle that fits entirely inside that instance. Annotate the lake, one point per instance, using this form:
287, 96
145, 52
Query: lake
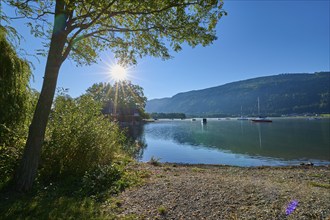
235, 142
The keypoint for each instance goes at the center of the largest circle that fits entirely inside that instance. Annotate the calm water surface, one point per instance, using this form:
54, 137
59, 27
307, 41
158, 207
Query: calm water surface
234, 142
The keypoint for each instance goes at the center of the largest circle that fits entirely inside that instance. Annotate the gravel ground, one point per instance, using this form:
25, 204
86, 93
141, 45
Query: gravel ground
173, 191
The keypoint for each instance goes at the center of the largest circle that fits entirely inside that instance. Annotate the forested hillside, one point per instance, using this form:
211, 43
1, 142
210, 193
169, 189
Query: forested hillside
279, 94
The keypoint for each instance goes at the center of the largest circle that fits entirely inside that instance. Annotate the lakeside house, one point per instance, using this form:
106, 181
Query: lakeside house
123, 114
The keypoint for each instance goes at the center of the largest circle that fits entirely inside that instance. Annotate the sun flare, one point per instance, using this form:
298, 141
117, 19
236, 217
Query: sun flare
118, 73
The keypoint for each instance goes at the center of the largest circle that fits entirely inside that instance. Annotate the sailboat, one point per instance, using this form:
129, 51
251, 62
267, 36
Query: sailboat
261, 119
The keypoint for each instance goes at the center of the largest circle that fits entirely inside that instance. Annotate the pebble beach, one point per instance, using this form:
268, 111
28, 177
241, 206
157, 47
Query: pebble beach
179, 191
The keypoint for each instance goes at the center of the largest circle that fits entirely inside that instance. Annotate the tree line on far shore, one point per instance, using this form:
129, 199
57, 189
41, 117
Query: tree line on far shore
167, 115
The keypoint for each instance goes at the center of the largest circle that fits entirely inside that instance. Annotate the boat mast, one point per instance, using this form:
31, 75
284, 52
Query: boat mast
258, 107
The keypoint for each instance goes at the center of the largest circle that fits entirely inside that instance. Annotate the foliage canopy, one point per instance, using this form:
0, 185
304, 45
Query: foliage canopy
122, 97
130, 29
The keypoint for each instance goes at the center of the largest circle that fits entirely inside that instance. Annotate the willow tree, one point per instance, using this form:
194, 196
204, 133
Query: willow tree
15, 102
80, 29
14, 85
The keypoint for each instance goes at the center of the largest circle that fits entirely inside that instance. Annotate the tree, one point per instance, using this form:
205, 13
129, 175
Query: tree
123, 97
15, 74
82, 28
16, 104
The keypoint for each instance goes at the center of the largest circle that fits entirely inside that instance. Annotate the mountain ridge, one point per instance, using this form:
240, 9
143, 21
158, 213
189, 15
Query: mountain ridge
284, 93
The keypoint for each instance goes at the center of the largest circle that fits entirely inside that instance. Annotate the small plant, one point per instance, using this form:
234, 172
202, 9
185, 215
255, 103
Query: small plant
154, 161
197, 169
144, 174
160, 176
322, 185
161, 210
317, 175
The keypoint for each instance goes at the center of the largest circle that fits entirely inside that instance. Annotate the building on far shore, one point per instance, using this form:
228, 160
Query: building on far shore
122, 114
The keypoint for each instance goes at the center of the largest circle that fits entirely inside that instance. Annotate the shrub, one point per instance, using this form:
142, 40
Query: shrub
11, 148
154, 161
79, 139
101, 179
109, 179
161, 210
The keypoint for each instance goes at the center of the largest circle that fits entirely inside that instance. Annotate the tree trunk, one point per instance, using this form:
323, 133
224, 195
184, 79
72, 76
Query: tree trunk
26, 172
27, 169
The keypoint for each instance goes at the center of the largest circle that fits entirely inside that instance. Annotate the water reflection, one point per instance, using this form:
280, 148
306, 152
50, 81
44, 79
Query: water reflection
204, 127
285, 140
136, 142
259, 133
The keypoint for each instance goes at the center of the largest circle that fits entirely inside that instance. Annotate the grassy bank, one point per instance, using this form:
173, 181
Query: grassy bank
172, 191
71, 198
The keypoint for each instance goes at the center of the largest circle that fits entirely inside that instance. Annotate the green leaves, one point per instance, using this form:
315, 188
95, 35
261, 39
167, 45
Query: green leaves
78, 138
102, 179
124, 96
17, 102
130, 29
14, 85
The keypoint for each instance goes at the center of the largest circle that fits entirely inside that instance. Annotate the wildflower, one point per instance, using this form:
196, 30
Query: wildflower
291, 207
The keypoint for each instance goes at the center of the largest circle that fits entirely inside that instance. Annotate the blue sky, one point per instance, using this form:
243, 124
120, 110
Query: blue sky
257, 38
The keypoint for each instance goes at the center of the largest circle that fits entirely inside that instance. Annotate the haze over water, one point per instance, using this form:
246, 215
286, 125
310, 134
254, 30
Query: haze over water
242, 143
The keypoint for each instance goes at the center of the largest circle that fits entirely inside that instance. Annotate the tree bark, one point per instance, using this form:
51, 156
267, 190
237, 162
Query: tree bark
27, 169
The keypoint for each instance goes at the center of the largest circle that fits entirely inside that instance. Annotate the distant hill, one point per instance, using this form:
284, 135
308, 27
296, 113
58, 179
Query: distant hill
279, 94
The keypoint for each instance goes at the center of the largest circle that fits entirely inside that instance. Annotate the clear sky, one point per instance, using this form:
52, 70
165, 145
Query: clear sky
257, 38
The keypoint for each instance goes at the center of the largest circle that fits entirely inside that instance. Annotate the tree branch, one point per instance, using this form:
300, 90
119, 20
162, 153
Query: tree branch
73, 38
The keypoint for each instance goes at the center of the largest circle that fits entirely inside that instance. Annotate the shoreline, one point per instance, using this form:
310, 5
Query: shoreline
235, 118
211, 191
301, 164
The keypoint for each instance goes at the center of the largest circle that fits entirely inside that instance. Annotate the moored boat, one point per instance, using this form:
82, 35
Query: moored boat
261, 120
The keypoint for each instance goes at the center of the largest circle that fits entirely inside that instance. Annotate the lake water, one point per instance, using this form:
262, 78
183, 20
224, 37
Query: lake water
241, 143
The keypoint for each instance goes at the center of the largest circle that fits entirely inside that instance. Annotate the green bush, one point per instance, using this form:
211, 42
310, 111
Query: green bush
79, 139
11, 148
101, 179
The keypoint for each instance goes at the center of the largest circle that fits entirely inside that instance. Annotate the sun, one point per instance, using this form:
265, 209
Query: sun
118, 73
